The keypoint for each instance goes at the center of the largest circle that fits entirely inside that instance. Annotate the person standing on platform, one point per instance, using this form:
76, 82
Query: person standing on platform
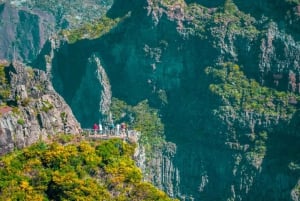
96, 128
112, 128
118, 129
100, 129
123, 129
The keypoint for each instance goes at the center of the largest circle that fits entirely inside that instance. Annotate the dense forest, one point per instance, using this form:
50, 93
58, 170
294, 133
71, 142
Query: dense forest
70, 168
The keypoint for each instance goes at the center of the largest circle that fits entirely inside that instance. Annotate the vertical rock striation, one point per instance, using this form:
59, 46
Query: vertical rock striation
35, 110
94, 88
223, 144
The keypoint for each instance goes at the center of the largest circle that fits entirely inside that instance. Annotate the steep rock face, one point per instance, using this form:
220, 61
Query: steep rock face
279, 59
27, 25
94, 87
23, 32
67, 14
286, 15
229, 147
35, 110
160, 169
89, 90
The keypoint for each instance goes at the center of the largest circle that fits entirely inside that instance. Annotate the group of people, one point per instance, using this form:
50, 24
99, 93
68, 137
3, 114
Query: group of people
119, 129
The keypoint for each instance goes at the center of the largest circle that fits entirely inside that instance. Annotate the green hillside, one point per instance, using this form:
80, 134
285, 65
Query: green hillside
71, 169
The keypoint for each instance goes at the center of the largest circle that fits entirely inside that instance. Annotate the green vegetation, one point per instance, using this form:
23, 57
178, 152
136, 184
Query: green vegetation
91, 30
102, 170
4, 85
16, 111
46, 106
230, 7
296, 190
30, 72
64, 117
242, 95
21, 122
236, 21
167, 3
224, 20
248, 95
258, 151
63, 138
70, 13
227, 19
142, 118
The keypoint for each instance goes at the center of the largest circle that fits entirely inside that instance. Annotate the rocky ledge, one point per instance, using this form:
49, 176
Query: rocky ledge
30, 109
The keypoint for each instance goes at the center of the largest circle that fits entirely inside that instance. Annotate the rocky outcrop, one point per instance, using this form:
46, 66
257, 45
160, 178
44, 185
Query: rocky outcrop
160, 169
37, 111
279, 59
223, 151
94, 88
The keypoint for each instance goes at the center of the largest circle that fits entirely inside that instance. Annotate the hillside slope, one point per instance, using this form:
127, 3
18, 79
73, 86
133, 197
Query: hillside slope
70, 170
222, 76
234, 126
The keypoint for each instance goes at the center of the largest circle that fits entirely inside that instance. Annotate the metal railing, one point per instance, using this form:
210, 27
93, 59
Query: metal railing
109, 134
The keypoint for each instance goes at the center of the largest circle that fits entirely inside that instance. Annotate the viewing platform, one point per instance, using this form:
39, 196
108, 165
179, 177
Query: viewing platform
128, 135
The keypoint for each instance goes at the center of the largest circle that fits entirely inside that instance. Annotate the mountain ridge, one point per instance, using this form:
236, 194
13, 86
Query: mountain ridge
227, 139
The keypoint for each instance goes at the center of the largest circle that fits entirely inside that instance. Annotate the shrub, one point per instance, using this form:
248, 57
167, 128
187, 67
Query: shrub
73, 172
46, 106
64, 138
91, 30
21, 122
245, 94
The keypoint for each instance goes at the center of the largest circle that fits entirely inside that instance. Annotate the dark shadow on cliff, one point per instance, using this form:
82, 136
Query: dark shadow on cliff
207, 3
120, 7
68, 69
69, 66
2, 7
277, 178
190, 124
275, 9
70, 63
279, 11
188, 117
40, 61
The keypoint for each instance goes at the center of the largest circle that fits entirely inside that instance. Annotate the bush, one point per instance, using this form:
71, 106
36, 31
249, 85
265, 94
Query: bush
91, 30
141, 118
21, 122
46, 106
64, 138
245, 94
74, 172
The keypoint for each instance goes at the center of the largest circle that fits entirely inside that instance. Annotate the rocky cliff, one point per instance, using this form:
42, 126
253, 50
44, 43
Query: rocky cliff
27, 25
224, 77
32, 110
234, 126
